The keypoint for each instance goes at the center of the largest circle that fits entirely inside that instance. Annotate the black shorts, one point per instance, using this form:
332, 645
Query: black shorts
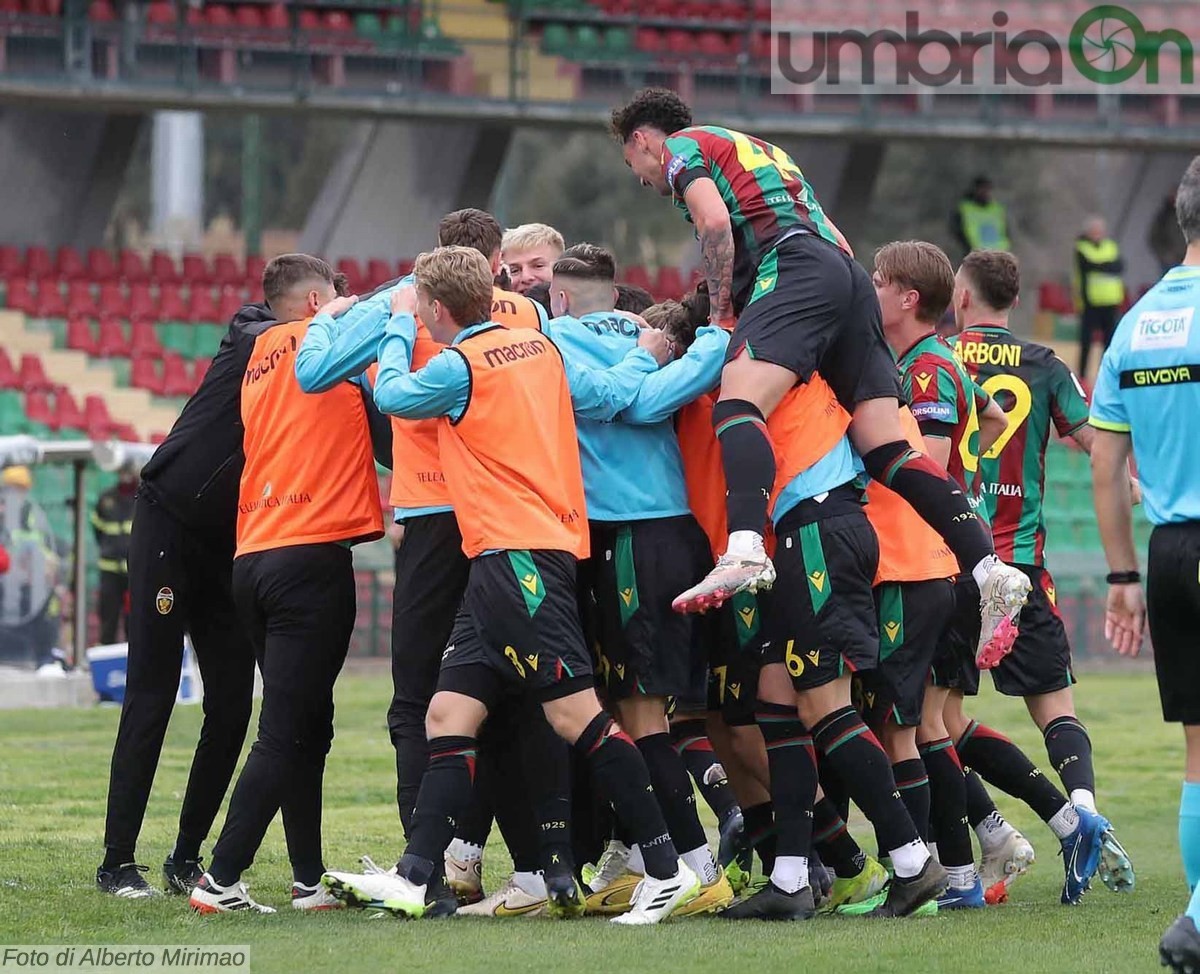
518, 629
824, 612
1173, 609
813, 307
954, 663
1040, 661
912, 616
735, 637
637, 569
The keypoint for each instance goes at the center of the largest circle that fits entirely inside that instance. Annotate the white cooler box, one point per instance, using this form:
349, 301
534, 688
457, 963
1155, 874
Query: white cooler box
107, 664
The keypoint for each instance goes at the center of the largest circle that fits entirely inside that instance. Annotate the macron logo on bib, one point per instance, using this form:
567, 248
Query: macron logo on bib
1162, 329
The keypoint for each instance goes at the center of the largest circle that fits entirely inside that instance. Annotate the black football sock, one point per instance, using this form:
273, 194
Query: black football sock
691, 741
979, 802
445, 792
935, 496
760, 831
749, 462
1005, 765
831, 783
793, 777
858, 757
621, 776
834, 841
1070, 751
545, 782
913, 785
673, 789
948, 802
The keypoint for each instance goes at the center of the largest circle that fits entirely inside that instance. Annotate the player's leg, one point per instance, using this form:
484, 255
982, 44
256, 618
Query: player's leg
690, 736
158, 609
225, 656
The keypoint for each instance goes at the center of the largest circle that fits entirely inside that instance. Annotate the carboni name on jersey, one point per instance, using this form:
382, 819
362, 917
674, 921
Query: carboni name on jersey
982, 353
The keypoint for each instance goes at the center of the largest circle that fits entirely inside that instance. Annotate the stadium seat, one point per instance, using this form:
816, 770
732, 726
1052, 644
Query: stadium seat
171, 306
681, 43
98, 419
32, 375
617, 41
669, 284
587, 42
9, 379
378, 272
195, 270
336, 20
38, 264
714, 44
635, 274
143, 339
310, 20
50, 302
131, 267
100, 265
38, 408
142, 304
202, 307
101, 12
248, 17
20, 296
226, 270
230, 304
218, 15
353, 271
112, 341
255, 265
649, 40
162, 267
144, 374
124, 432
112, 300
80, 336
80, 301
369, 25
276, 17
67, 414
176, 380
405, 267
69, 264
160, 13
12, 262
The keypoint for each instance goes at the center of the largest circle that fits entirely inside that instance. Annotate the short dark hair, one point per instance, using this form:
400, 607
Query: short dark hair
588, 262
341, 285
540, 294
1187, 203
470, 228
632, 298
995, 276
660, 108
917, 265
284, 272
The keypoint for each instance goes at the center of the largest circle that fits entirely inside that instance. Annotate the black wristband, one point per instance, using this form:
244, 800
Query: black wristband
1123, 578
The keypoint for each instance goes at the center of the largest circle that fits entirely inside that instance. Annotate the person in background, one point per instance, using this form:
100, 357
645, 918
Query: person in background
30, 607
633, 299
1099, 290
979, 221
112, 522
528, 253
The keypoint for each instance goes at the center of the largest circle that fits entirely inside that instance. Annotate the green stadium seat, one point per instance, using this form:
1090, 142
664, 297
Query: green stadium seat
368, 25
618, 41
556, 39
587, 42
178, 336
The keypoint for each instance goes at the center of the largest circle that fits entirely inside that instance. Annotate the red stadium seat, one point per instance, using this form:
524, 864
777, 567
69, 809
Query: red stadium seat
162, 267
176, 380
353, 271
157, 438
68, 415
124, 432
112, 341
99, 422
32, 375
50, 302
670, 283
9, 379
80, 301
680, 42
405, 267
248, 17
648, 39
200, 368
131, 266
80, 336
337, 20
378, 271
216, 15
101, 12
37, 407
12, 262
142, 303
38, 263
276, 17
112, 300
310, 20
171, 306
635, 274
230, 304
202, 307
144, 374
195, 270
226, 270
20, 296
143, 339
69, 263
100, 265
715, 44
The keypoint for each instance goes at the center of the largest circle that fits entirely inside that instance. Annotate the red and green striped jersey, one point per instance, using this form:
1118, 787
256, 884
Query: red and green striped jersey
1037, 389
944, 401
765, 191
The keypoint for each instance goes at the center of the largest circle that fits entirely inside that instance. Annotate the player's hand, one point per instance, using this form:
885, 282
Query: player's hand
656, 343
636, 319
1135, 491
339, 306
1125, 618
404, 300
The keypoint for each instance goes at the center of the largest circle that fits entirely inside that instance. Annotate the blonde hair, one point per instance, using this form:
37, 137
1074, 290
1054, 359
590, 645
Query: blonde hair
460, 278
530, 235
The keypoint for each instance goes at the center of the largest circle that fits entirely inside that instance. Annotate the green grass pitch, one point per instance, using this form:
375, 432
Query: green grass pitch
53, 775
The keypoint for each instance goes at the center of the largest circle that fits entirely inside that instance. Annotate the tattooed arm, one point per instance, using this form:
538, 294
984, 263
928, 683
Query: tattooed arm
711, 218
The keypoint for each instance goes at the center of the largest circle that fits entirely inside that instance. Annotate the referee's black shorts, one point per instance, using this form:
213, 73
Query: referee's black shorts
1173, 608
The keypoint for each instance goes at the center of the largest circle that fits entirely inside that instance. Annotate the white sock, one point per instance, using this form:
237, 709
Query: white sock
1064, 821
981, 571
702, 863
962, 877
531, 883
993, 831
909, 859
635, 863
745, 543
1082, 798
790, 873
464, 851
